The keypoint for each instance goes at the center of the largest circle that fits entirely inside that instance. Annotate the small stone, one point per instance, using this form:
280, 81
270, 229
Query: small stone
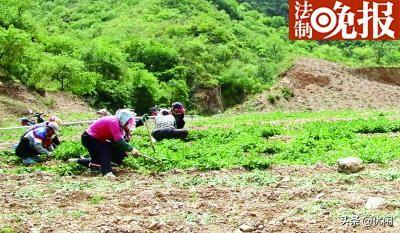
246, 228
154, 226
319, 196
286, 179
374, 203
350, 165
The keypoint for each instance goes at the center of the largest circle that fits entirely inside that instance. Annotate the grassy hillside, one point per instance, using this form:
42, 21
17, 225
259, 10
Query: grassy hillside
140, 53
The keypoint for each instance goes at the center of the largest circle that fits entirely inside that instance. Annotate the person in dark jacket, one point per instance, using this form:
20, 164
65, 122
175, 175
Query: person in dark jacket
165, 127
178, 111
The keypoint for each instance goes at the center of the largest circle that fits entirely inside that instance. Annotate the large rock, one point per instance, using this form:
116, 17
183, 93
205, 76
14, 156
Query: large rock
246, 228
374, 203
350, 165
209, 100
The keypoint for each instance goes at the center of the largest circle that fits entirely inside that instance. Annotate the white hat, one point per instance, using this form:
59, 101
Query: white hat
54, 126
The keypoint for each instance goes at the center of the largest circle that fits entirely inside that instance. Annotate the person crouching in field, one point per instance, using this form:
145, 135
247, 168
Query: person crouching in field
37, 142
165, 127
178, 111
103, 112
104, 139
55, 140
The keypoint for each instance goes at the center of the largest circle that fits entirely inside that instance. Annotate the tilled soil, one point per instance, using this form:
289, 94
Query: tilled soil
281, 199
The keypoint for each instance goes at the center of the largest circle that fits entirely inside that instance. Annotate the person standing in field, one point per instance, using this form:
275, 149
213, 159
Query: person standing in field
105, 140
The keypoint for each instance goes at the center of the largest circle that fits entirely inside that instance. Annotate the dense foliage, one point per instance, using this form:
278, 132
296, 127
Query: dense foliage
137, 53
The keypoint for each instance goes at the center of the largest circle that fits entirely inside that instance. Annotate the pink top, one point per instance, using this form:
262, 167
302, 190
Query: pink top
106, 128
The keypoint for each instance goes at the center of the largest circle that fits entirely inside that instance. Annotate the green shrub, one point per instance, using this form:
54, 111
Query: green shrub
272, 99
287, 93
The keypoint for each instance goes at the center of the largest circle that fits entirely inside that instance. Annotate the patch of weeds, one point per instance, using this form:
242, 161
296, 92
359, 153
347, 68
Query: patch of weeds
7, 230
29, 193
255, 178
391, 174
69, 150
52, 213
306, 183
191, 217
50, 103
308, 210
272, 99
194, 196
256, 163
71, 185
270, 131
287, 93
330, 203
69, 169
209, 218
78, 213
96, 199
259, 178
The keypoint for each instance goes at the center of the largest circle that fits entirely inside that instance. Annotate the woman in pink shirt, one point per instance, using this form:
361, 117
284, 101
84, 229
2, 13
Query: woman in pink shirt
104, 139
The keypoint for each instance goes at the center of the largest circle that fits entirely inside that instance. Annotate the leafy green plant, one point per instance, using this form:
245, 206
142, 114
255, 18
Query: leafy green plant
270, 132
68, 150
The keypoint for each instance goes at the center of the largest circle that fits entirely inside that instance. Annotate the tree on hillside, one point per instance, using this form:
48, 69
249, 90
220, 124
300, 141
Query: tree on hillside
231, 7
363, 53
14, 45
69, 73
12, 13
104, 58
270, 7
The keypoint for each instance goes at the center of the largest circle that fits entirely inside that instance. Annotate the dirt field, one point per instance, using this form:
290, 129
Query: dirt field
322, 85
282, 199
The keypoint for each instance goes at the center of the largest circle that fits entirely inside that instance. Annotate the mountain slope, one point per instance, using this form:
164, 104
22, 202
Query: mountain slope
321, 85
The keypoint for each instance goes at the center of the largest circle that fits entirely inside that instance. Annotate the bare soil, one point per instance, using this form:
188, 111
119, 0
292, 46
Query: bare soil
300, 199
324, 85
16, 100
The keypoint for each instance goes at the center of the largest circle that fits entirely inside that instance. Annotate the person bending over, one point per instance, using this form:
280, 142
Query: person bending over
37, 142
165, 127
104, 139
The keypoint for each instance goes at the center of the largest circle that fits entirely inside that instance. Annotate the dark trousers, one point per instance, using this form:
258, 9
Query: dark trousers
170, 133
180, 122
101, 153
55, 141
25, 150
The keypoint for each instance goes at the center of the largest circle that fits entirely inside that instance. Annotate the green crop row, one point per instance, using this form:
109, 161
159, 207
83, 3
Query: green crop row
251, 146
